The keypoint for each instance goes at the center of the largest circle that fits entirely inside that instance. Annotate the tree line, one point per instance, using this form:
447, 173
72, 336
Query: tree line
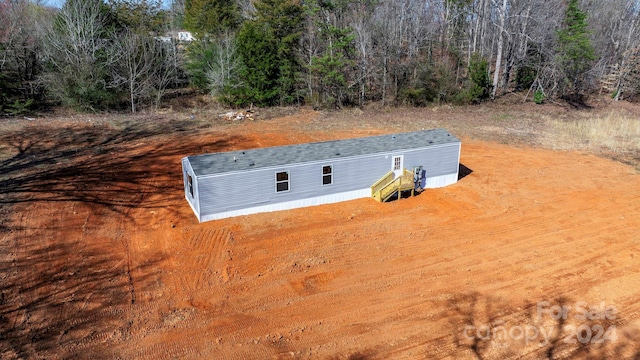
94, 55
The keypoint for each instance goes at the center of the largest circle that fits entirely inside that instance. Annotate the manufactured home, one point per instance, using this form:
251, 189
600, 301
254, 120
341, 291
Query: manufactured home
234, 183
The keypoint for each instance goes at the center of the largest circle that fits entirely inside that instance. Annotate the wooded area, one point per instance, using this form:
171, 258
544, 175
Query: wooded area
95, 55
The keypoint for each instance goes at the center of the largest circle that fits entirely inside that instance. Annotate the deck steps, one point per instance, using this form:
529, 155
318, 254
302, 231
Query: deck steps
389, 185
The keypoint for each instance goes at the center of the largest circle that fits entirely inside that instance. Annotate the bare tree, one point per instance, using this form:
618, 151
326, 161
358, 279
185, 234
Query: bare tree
166, 71
502, 15
616, 33
138, 56
176, 14
481, 15
146, 67
21, 41
310, 48
80, 52
404, 35
225, 62
361, 14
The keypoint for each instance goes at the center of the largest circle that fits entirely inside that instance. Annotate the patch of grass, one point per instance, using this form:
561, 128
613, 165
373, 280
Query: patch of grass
615, 132
538, 97
503, 117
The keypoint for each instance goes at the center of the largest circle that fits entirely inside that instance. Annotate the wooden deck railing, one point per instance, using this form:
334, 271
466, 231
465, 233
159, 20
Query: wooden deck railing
384, 181
382, 191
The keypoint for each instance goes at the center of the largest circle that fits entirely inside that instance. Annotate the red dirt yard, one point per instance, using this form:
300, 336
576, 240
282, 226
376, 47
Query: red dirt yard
101, 256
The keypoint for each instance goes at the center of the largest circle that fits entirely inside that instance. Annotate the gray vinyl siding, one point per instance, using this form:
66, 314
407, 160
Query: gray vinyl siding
436, 160
243, 189
235, 191
186, 169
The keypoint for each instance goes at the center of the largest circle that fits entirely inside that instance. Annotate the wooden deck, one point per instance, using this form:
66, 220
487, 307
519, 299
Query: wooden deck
383, 189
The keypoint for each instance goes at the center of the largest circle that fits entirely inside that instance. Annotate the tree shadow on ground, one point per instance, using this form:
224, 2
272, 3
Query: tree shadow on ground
487, 327
115, 168
576, 101
61, 299
60, 295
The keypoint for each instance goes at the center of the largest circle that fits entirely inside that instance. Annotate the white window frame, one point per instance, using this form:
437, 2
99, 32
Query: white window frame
330, 174
397, 165
399, 161
190, 184
287, 181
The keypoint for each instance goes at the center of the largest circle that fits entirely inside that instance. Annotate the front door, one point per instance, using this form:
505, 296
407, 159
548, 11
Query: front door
396, 165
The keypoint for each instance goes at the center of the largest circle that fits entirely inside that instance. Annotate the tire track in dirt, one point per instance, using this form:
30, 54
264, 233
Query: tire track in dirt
15, 314
182, 350
196, 262
131, 202
204, 253
549, 231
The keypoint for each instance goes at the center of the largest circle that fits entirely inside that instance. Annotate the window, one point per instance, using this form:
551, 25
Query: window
282, 181
190, 184
327, 175
397, 163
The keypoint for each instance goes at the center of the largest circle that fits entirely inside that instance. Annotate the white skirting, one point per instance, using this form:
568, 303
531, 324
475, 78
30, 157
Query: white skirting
319, 200
441, 181
435, 182
192, 206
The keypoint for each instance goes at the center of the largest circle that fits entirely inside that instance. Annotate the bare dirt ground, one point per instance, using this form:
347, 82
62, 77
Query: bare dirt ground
101, 257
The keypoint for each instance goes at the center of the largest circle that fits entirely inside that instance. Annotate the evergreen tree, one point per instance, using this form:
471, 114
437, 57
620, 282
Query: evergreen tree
213, 22
331, 68
211, 17
574, 47
259, 69
267, 46
140, 16
200, 54
479, 74
479, 86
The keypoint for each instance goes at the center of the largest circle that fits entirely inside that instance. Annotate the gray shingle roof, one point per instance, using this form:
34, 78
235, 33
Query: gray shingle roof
222, 162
